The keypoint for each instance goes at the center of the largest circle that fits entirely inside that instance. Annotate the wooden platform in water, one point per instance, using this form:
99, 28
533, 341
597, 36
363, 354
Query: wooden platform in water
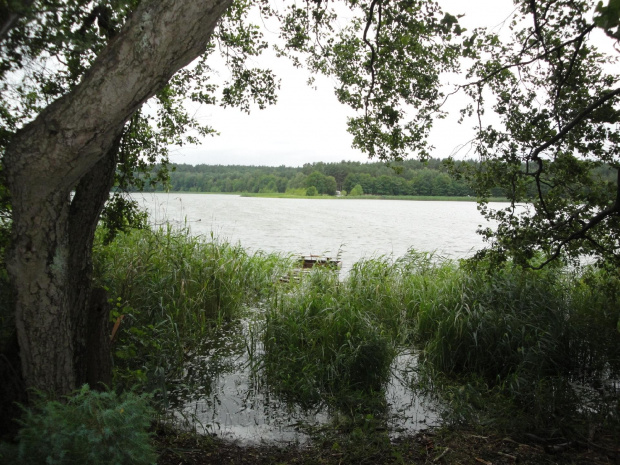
307, 262
310, 261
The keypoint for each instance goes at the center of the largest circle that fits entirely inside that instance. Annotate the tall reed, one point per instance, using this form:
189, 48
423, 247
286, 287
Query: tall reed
172, 289
527, 337
320, 346
516, 345
522, 348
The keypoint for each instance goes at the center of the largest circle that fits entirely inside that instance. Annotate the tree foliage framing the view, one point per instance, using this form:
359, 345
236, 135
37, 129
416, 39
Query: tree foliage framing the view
552, 131
92, 93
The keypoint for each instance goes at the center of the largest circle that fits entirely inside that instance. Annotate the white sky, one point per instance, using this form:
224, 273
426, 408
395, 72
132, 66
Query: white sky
308, 125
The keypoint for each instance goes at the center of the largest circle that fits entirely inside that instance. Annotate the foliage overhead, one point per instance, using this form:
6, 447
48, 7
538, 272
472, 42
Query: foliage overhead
551, 137
47, 46
544, 98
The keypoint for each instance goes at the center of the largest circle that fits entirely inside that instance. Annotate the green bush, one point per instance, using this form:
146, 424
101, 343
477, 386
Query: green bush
88, 428
356, 191
311, 191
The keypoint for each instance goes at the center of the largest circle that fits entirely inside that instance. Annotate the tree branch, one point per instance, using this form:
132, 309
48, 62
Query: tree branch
587, 226
373, 51
71, 134
11, 18
534, 155
533, 60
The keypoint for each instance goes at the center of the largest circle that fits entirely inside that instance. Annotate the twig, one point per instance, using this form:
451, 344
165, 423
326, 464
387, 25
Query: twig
511, 457
438, 458
554, 449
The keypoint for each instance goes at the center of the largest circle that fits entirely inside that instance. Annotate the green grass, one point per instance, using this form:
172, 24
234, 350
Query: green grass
276, 195
518, 349
172, 290
523, 349
320, 346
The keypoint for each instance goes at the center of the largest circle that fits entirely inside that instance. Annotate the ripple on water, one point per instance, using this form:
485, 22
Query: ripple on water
240, 408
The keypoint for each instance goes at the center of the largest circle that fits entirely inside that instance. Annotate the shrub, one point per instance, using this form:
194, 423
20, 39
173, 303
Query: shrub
311, 191
89, 428
356, 191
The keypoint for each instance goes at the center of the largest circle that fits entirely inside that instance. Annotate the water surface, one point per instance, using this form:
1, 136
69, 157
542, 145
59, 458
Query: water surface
236, 405
349, 228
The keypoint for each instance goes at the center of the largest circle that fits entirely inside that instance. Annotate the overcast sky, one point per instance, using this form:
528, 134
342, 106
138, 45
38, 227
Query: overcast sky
308, 125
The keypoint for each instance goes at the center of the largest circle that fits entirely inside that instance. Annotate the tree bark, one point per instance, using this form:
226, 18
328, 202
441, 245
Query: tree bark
49, 157
89, 312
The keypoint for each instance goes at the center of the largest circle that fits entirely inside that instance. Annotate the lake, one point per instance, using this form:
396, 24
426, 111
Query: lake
349, 228
233, 406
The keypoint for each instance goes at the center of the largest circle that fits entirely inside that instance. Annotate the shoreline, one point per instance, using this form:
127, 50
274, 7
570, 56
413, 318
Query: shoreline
419, 198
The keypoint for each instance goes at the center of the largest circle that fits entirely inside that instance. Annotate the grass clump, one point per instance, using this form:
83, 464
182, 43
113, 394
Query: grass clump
319, 346
89, 427
518, 349
197, 282
172, 290
524, 349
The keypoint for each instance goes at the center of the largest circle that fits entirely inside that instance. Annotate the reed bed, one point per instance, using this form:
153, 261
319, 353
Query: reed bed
172, 291
518, 349
523, 349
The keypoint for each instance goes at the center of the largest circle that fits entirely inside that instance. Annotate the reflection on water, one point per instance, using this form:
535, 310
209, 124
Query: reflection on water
237, 405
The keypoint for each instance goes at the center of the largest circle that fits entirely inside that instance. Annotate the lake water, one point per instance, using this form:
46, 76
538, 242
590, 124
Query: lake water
349, 228
234, 406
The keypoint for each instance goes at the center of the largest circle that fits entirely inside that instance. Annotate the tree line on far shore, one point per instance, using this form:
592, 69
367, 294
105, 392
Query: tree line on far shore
410, 177
434, 177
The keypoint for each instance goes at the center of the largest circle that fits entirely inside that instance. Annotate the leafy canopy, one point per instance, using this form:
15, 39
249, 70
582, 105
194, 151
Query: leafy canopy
546, 105
544, 98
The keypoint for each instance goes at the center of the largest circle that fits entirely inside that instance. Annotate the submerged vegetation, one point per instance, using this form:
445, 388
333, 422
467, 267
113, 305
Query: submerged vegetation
521, 350
506, 350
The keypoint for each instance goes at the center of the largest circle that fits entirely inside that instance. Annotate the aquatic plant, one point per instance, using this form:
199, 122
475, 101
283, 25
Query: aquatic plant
171, 290
531, 343
321, 347
519, 349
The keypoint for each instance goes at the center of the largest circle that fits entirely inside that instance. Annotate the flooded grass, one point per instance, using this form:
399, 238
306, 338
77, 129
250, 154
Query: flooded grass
384, 351
243, 403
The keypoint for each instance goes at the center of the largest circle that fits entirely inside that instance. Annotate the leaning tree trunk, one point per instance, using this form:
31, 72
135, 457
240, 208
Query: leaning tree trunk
89, 311
49, 157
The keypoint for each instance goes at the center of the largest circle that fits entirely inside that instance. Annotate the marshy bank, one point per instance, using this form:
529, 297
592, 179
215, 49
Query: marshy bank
349, 369
516, 350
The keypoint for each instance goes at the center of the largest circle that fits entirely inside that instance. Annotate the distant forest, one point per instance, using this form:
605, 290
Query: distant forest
410, 177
